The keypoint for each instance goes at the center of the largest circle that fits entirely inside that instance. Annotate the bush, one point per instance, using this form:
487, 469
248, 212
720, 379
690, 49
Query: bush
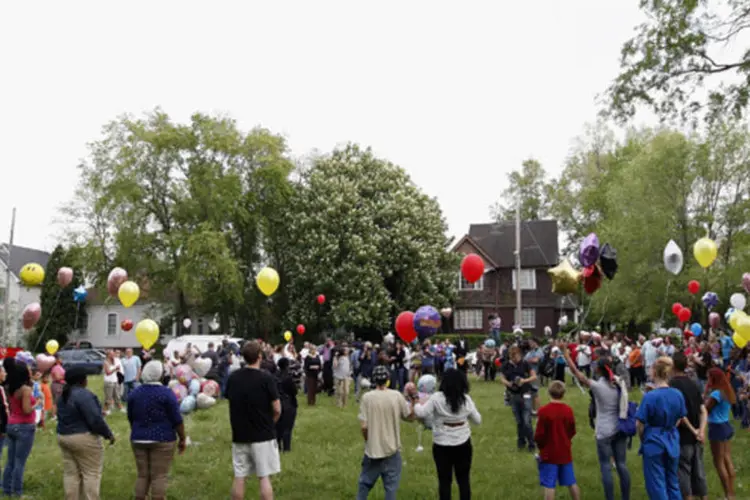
476, 339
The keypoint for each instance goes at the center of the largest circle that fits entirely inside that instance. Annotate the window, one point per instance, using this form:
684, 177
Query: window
2, 295
528, 279
83, 324
112, 324
200, 326
528, 318
465, 286
468, 319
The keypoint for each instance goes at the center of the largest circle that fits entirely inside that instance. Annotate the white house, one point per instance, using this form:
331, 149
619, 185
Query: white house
20, 295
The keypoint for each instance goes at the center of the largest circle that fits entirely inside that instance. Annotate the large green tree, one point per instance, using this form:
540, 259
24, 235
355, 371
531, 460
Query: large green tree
678, 63
526, 187
359, 231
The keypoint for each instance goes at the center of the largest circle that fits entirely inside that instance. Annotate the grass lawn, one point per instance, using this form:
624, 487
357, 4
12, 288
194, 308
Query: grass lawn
327, 452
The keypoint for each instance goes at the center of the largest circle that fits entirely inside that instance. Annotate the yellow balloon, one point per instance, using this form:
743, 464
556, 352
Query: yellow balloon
147, 333
739, 341
52, 346
267, 281
564, 277
287, 335
735, 318
705, 251
32, 274
129, 293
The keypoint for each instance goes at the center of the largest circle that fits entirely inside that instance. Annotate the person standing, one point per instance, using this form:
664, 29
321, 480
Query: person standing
341, 374
254, 409
517, 377
111, 369
534, 358
720, 397
312, 371
328, 366
288, 395
21, 427
397, 358
131, 368
380, 414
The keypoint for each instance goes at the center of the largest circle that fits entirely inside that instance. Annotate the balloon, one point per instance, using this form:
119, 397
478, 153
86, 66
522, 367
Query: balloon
564, 278
676, 308
497, 362
194, 387
697, 329
79, 294
739, 341
489, 343
213, 325
126, 325
184, 373
714, 320
267, 281
64, 276
710, 300
117, 277
728, 314
405, 327
210, 388
187, 323
746, 282
128, 293
589, 252
563, 321
738, 301
734, 319
147, 332
321, 299
446, 312
684, 314
301, 329
693, 287
188, 404
24, 357
287, 335
426, 321
31, 314
705, 251
427, 384
608, 261
32, 274
673, 259
44, 362
472, 267
201, 366
743, 327
52, 346
592, 279
180, 391
547, 331
203, 401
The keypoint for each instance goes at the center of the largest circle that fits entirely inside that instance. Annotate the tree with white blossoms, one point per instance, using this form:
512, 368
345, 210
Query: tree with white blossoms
360, 232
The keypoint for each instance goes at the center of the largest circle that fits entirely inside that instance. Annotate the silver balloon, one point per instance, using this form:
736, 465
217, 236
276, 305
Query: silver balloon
673, 259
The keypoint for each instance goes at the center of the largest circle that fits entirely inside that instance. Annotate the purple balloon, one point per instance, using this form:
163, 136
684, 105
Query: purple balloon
714, 319
710, 300
746, 282
426, 321
589, 253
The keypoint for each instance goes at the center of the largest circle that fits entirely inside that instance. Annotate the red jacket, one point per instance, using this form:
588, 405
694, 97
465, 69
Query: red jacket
555, 427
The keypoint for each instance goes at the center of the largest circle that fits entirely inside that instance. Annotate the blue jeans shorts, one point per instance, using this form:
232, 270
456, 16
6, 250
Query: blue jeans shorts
720, 432
550, 475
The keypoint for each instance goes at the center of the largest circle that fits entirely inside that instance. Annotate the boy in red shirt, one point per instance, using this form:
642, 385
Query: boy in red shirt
555, 427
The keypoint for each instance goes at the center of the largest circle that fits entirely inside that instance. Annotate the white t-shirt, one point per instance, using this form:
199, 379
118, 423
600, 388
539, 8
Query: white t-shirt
112, 377
584, 355
438, 411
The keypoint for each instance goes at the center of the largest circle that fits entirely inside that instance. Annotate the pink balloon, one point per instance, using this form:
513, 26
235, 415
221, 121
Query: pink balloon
746, 282
210, 388
44, 362
64, 276
31, 314
714, 319
117, 277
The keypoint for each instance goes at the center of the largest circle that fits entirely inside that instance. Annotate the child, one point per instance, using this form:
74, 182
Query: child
47, 393
555, 428
36, 376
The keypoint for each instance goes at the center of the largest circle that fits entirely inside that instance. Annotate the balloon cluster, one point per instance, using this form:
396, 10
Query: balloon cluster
191, 388
596, 262
423, 323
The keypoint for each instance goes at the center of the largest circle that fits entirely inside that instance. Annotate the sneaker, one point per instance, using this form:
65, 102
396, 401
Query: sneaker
532, 449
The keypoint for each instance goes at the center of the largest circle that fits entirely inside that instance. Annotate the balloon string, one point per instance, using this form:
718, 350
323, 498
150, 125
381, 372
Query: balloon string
666, 301
604, 306
46, 324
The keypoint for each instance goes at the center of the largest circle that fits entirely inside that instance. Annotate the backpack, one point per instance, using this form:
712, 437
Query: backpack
626, 426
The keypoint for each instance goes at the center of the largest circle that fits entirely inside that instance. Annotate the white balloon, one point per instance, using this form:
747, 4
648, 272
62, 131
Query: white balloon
547, 331
563, 320
186, 322
673, 259
738, 301
213, 325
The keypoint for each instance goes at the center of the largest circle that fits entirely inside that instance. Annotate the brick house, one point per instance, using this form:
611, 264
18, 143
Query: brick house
495, 292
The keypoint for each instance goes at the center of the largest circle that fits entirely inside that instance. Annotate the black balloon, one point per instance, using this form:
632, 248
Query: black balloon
608, 261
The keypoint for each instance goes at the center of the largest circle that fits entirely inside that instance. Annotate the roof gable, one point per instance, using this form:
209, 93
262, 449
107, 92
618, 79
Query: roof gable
20, 256
539, 246
468, 240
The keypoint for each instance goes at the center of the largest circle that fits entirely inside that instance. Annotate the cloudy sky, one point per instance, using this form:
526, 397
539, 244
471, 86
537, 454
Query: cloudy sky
458, 93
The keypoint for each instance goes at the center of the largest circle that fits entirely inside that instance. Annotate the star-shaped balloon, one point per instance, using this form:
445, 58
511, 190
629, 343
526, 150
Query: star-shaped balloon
79, 294
564, 277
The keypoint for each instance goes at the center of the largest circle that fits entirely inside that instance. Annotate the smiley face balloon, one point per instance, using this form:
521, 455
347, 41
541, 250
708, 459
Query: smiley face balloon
32, 274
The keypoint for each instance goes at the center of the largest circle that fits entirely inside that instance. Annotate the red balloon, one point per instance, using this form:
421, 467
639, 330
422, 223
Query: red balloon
694, 287
321, 299
497, 362
126, 325
676, 308
684, 314
405, 327
301, 329
472, 267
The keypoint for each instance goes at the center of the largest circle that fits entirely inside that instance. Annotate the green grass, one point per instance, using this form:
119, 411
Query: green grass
327, 452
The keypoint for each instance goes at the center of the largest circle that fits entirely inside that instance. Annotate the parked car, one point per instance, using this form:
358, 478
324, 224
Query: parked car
90, 359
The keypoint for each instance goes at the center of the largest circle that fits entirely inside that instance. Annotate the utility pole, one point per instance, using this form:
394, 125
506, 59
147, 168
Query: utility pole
6, 309
519, 320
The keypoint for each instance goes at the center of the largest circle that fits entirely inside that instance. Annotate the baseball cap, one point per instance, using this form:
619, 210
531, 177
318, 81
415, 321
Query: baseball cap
380, 375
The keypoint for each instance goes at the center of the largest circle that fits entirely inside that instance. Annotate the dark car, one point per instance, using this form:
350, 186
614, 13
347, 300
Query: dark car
90, 359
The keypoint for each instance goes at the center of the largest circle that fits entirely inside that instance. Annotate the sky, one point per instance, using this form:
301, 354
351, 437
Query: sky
457, 93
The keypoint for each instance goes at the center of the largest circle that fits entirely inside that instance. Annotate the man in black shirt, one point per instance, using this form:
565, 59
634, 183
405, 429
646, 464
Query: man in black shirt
517, 377
254, 409
398, 372
461, 350
691, 473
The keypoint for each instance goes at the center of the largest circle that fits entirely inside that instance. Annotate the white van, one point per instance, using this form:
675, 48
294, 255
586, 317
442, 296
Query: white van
200, 341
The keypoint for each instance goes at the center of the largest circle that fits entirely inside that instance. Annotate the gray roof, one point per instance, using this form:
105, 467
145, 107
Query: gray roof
539, 246
21, 256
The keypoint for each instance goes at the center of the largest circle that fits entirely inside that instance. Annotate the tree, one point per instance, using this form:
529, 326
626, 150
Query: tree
526, 186
360, 232
59, 311
676, 53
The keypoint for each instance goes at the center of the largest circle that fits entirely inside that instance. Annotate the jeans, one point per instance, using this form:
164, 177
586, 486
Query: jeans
521, 407
614, 447
285, 426
496, 336
449, 459
398, 378
127, 388
389, 468
20, 439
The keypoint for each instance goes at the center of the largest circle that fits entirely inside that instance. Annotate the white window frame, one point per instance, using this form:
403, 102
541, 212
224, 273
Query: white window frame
477, 286
530, 275
117, 324
528, 317
463, 321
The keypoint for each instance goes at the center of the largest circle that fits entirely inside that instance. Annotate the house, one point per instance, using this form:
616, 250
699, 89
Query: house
495, 292
20, 295
102, 322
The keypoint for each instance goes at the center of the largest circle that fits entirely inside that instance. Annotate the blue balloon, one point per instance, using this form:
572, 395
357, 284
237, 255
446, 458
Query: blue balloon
697, 329
710, 300
426, 321
195, 387
729, 312
79, 294
188, 404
